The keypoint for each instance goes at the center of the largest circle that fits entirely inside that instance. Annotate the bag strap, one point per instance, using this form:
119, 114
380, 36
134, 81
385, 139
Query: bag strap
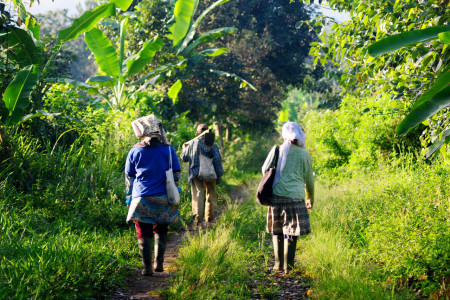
170, 158
275, 159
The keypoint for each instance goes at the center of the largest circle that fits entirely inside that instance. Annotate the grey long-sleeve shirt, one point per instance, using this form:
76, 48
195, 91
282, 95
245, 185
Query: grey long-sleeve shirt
191, 154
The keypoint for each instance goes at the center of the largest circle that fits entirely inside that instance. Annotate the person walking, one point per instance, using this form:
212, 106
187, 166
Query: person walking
145, 179
293, 195
204, 194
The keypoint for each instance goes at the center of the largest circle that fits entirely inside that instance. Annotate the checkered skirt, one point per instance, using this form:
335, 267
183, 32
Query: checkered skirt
288, 216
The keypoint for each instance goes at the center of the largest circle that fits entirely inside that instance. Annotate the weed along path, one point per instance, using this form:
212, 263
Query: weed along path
263, 284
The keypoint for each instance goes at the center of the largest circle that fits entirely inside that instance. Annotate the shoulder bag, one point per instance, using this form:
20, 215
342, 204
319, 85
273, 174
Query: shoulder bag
206, 171
264, 192
173, 196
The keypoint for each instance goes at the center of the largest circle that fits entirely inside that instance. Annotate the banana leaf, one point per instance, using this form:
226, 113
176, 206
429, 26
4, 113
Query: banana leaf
17, 94
122, 4
101, 80
191, 33
86, 22
174, 90
23, 46
209, 36
440, 83
445, 37
214, 52
104, 52
400, 40
183, 13
145, 56
445, 138
123, 33
425, 110
223, 73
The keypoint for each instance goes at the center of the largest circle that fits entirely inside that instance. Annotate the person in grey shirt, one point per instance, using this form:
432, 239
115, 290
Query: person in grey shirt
204, 194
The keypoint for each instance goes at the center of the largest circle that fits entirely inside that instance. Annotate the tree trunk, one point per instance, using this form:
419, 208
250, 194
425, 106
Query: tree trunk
218, 129
229, 133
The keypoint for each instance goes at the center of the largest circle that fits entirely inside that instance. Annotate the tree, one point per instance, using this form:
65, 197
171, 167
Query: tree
405, 74
267, 50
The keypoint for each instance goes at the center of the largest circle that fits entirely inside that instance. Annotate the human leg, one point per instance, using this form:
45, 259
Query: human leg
211, 199
290, 245
160, 234
198, 200
144, 232
278, 249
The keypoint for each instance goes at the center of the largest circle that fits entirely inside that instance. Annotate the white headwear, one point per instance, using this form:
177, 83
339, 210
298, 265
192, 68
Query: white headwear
291, 132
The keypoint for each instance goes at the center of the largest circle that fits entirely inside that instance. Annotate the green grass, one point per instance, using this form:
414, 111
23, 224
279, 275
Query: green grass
381, 235
225, 261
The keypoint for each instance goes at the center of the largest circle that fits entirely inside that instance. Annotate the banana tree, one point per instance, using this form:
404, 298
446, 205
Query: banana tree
17, 94
437, 97
186, 42
113, 83
114, 70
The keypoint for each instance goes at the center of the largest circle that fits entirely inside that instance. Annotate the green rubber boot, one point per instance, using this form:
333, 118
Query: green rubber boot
160, 248
289, 253
145, 248
278, 250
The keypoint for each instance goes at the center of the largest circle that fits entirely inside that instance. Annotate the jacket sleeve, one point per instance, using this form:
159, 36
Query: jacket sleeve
309, 180
217, 161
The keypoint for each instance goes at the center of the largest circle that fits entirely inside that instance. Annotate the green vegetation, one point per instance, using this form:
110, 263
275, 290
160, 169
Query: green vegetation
372, 97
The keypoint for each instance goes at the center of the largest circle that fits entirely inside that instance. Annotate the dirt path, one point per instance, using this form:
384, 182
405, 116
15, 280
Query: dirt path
291, 287
146, 287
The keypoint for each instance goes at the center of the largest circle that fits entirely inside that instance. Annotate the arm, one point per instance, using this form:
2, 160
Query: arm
130, 174
309, 184
175, 166
128, 188
217, 162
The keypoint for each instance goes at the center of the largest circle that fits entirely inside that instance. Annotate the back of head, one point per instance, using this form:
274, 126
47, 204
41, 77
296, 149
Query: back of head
293, 132
201, 128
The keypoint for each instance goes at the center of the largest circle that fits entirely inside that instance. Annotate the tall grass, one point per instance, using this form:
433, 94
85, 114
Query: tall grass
381, 235
63, 232
225, 261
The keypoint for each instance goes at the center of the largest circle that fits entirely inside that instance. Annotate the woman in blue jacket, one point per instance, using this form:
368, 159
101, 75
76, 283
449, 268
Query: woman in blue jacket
145, 179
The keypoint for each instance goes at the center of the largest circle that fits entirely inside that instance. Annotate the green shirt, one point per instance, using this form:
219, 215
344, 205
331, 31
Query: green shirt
297, 179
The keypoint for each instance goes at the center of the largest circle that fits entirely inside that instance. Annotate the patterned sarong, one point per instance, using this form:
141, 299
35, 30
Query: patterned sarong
153, 210
288, 216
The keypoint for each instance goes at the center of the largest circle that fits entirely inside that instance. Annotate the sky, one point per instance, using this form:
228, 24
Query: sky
46, 5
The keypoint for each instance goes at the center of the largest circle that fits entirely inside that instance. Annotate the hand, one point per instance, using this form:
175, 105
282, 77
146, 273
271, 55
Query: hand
218, 180
309, 204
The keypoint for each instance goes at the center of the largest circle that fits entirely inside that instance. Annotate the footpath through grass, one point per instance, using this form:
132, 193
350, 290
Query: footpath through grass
383, 234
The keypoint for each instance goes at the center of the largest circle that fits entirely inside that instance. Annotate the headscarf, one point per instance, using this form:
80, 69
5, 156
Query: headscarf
149, 127
291, 132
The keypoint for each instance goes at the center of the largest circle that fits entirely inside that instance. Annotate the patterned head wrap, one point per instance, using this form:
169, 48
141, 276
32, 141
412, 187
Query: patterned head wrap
150, 126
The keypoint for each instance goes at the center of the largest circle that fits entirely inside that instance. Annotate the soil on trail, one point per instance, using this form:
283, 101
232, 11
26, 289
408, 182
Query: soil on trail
291, 287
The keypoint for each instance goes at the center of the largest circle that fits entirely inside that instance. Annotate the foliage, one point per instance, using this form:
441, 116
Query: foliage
433, 100
25, 42
382, 230
403, 75
267, 51
357, 135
